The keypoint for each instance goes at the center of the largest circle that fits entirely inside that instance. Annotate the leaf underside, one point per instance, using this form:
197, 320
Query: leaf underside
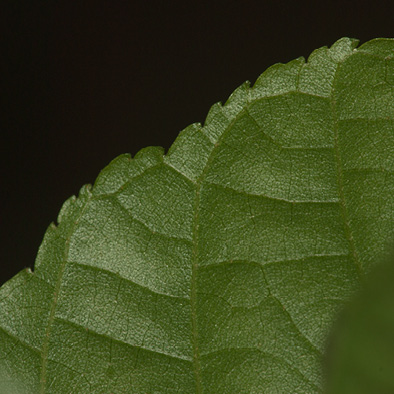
218, 267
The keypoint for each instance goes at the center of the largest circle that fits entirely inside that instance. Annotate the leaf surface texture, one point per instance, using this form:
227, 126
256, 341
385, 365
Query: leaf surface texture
219, 266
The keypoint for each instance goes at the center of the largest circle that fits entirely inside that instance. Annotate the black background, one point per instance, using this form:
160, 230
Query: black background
87, 81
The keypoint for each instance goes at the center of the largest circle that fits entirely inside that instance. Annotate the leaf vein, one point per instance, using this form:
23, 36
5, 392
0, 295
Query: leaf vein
112, 339
128, 280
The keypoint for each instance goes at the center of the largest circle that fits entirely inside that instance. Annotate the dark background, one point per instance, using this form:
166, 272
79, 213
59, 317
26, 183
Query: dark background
86, 81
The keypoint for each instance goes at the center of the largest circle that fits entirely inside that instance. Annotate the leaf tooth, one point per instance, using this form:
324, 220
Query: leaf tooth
215, 123
342, 48
120, 170
220, 116
190, 152
278, 79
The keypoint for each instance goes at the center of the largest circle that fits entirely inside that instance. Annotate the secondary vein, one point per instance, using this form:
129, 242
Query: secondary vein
51, 319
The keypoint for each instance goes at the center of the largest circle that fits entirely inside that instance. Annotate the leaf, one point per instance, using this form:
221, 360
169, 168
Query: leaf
361, 350
218, 267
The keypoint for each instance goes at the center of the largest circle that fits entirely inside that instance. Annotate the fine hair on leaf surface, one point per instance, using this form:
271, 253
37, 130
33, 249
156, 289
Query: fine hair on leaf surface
220, 266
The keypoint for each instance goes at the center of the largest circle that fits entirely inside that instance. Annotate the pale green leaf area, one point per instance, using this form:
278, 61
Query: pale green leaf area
219, 266
361, 347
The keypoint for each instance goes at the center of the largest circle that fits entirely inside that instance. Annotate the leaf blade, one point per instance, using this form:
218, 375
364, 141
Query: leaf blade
195, 271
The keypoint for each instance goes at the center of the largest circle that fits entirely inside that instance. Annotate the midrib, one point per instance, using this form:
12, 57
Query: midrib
195, 254
193, 293
340, 183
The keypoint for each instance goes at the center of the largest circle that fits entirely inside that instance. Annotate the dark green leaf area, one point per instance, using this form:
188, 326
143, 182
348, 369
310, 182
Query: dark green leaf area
361, 347
219, 266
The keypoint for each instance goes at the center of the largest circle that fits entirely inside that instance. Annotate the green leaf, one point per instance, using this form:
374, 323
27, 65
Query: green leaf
218, 267
361, 347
